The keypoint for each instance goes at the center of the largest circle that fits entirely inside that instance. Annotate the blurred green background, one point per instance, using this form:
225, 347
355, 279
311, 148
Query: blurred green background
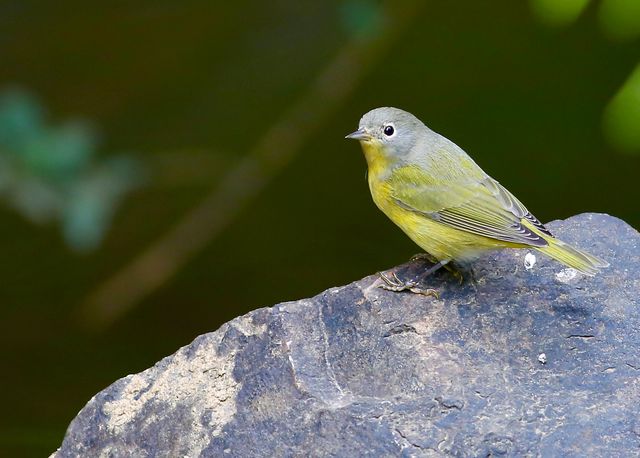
166, 166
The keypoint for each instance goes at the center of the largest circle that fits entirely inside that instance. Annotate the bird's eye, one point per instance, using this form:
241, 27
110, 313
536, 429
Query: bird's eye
388, 130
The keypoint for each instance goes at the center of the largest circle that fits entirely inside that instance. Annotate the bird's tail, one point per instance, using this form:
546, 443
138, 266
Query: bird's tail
572, 257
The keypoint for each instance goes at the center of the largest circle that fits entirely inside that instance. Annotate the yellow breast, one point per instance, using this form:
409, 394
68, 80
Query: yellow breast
441, 241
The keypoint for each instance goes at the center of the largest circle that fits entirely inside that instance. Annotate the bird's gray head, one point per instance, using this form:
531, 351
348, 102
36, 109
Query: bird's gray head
391, 130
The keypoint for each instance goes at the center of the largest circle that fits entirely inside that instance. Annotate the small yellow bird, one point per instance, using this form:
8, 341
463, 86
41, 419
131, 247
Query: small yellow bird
444, 202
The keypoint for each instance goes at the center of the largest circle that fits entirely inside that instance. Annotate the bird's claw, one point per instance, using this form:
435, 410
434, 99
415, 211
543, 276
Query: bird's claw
421, 257
393, 283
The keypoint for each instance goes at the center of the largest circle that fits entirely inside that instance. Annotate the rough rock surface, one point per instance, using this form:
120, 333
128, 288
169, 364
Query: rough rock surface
516, 361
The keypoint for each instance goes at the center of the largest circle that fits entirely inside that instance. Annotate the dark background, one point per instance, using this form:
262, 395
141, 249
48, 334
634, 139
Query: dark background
188, 89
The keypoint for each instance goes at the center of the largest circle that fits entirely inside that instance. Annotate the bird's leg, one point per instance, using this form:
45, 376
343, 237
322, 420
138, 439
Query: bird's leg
423, 257
450, 266
427, 258
455, 272
393, 283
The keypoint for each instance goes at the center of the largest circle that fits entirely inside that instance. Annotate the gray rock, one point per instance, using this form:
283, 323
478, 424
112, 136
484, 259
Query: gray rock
359, 371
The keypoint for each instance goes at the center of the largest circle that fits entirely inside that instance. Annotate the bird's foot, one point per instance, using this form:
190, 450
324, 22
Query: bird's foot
423, 257
391, 282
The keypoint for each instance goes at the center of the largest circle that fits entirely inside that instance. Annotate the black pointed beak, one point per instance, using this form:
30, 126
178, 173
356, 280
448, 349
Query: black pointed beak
359, 134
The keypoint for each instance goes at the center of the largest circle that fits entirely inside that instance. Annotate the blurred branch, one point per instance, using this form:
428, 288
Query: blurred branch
164, 258
185, 168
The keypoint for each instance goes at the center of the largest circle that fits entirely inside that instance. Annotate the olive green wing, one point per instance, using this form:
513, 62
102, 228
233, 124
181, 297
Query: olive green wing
513, 204
476, 204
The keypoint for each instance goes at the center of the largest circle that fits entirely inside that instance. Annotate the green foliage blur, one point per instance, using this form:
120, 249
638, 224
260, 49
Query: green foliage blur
51, 173
544, 95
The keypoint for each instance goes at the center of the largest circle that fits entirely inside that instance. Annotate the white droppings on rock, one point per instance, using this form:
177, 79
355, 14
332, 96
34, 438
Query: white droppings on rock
566, 275
529, 261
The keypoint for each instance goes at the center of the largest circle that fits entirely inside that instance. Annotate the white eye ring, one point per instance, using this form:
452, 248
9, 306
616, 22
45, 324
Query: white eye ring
389, 130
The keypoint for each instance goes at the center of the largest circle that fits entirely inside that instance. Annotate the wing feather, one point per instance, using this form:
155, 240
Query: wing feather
514, 205
479, 205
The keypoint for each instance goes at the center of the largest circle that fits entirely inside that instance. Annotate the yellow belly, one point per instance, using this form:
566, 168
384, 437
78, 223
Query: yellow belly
440, 241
